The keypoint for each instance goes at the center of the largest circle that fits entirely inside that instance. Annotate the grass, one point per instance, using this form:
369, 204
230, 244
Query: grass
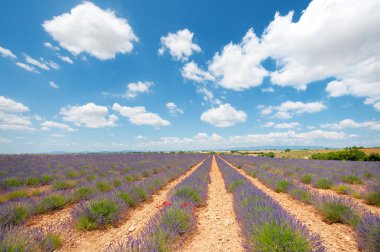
373, 198
188, 193
324, 183
282, 186
63, 184
11, 182
341, 189
128, 198
306, 179
141, 193
52, 202
99, 213
272, 237
104, 186
51, 242
301, 195
33, 181
46, 179
15, 215
235, 184
84, 192
335, 212
352, 179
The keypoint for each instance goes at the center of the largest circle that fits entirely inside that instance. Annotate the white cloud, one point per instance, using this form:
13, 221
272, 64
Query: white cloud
133, 89
180, 45
331, 39
290, 125
53, 85
52, 64
9, 105
173, 109
267, 90
47, 125
35, 62
238, 67
89, 115
208, 96
27, 67
223, 116
140, 137
11, 117
89, 29
6, 53
349, 123
290, 108
191, 71
4, 140
139, 116
66, 59
335, 39
50, 46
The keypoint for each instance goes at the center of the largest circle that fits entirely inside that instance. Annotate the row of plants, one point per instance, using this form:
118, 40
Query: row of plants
334, 209
34, 240
175, 218
357, 179
266, 225
39, 170
16, 212
349, 153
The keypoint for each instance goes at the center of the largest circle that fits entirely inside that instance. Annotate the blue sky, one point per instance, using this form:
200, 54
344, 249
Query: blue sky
147, 75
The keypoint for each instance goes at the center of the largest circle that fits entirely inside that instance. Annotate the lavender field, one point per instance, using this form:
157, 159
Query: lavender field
156, 202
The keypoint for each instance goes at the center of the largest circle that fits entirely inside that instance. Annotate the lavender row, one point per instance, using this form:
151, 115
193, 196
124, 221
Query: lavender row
39, 170
336, 175
334, 209
176, 216
266, 225
14, 213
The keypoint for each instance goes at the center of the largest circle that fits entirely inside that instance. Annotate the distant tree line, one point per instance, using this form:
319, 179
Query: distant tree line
350, 153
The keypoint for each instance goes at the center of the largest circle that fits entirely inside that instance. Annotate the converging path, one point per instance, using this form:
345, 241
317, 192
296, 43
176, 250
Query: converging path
217, 228
336, 237
99, 240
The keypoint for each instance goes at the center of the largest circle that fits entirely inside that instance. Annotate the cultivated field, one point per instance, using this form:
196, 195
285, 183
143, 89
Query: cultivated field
187, 202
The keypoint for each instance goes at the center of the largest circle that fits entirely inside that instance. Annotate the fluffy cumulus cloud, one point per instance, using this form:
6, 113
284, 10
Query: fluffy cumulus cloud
173, 109
134, 89
332, 39
180, 45
47, 125
238, 66
290, 125
349, 123
6, 53
223, 116
139, 116
288, 109
89, 115
90, 29
12, 115
191, 71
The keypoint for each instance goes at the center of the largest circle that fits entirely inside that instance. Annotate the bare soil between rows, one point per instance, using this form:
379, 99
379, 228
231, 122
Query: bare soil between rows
217, 228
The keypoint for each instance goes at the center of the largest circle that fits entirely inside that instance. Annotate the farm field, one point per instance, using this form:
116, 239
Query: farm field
187, 202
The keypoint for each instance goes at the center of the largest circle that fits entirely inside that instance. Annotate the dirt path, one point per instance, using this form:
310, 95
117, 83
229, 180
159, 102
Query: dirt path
98, 240
217, 228
360, 202
336, 237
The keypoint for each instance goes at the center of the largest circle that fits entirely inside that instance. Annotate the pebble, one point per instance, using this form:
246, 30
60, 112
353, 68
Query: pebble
132, 228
